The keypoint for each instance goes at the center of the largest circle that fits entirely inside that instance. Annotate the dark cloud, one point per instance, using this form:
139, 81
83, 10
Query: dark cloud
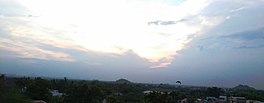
249, 47
201, 48
247, 35
165, 23
249, 39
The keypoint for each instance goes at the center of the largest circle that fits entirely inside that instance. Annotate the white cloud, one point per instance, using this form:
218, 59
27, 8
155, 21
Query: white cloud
23, 50
238, 9
114, 27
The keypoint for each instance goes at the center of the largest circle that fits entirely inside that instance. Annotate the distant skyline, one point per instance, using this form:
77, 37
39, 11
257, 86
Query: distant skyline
199, 42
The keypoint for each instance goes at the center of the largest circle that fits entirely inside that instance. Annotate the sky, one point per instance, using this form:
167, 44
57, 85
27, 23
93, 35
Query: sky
199, 42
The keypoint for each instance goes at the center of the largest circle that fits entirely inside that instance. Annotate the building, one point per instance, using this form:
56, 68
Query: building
211, 100
147, 92
39, 101
222, 99
185, 100
237, 100
253, 101
56, 93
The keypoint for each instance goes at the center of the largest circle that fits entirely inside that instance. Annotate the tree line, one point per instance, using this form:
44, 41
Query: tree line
26, 89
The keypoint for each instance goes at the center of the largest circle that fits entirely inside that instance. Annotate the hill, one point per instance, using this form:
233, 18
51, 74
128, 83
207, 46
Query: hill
123, 81
243, 87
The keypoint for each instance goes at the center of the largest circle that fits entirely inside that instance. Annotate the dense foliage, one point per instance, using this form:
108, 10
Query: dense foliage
26, 89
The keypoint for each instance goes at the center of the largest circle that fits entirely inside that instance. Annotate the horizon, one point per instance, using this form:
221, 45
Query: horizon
199, 42
152, 83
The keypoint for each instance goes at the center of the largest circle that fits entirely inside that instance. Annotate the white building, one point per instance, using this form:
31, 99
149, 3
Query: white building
39, 101
237, 100
253, 101
56, 93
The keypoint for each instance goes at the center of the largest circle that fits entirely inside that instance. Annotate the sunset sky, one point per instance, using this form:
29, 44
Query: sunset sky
200, 42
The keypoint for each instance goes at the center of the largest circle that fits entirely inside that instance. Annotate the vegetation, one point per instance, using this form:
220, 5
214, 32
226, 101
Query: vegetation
26, 89
10, 94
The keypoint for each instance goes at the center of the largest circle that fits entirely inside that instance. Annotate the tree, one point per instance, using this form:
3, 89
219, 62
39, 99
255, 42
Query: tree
11, 94
14, 96
39, 90
2, 84
112, 99
157, 97
22, 82
214, 91
175, 96
82, 93
250, 95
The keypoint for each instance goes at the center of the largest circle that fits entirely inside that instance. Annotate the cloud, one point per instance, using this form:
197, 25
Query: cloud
238, 9
161, 65
249, 47
165, 23
201, 48
23, 50
247, 35
247, 39
211, 21
12, 8
111, 28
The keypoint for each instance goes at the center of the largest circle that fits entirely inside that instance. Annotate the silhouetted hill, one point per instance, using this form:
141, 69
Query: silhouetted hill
243, 87
123, 81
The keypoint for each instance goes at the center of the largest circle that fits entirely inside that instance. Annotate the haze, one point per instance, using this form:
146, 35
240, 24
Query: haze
200, 42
